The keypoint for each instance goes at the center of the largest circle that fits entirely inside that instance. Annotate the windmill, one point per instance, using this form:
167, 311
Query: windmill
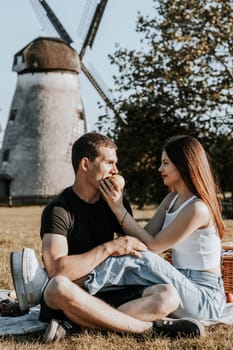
90, 22
46, 114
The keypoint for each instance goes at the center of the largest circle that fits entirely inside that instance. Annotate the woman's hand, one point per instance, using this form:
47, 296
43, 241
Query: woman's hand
111, 192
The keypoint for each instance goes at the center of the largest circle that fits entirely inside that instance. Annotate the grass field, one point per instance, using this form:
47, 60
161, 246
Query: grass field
19, 227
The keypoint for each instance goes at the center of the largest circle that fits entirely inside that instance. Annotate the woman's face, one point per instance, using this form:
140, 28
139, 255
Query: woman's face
170, 174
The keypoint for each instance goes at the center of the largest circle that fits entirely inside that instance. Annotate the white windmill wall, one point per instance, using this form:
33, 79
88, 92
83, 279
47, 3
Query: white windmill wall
46, 117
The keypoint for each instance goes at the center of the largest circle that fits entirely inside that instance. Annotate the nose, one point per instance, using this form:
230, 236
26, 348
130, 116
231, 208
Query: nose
160, 168
114, 169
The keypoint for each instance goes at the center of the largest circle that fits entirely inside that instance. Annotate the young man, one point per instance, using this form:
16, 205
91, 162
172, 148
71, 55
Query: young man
77, 231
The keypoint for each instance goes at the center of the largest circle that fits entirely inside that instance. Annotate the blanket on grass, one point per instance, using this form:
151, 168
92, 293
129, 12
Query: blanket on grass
29, 323
12, 323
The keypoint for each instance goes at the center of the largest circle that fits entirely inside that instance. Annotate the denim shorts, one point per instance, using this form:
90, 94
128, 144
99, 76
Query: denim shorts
206, 300
201, 293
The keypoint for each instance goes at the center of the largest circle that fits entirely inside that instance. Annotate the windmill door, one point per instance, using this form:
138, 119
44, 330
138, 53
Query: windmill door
4, 190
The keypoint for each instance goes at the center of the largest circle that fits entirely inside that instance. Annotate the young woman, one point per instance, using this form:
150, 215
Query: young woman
188, 221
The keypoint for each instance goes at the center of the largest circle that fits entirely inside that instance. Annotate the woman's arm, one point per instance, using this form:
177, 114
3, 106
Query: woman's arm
192, 217
155, 224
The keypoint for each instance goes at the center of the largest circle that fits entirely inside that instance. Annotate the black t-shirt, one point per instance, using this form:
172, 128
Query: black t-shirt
84, 225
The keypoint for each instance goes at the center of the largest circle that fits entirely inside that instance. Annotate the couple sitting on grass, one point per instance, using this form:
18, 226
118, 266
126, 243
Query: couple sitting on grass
93, 280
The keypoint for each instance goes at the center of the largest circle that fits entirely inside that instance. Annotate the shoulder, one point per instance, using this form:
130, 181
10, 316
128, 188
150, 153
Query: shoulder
198, 210
55, 210
199, 206
58, 206
61, 201
57, 214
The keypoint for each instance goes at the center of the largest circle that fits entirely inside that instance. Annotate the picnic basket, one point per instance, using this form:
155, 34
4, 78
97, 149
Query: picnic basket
227, 266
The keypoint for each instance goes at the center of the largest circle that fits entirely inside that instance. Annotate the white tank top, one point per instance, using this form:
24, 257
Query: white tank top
201, 250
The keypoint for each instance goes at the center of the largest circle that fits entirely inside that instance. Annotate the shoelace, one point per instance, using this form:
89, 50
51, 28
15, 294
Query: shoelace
67, 325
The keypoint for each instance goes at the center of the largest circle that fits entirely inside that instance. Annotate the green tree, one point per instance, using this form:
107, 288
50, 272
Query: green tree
180, 82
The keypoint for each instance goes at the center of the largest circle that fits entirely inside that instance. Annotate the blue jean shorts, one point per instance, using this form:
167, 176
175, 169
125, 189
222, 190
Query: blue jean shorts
206, 299
201, 293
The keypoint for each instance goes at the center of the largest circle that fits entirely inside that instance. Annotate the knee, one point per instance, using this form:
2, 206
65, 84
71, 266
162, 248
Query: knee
169, 298
57, 290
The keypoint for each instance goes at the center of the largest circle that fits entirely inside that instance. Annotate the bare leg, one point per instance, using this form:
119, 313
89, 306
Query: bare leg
157, 302
87, 310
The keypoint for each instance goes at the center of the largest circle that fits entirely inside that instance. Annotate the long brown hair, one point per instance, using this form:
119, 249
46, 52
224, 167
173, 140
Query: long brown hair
192, 162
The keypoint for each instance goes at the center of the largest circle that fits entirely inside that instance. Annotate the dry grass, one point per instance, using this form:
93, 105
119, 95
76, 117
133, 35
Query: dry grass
20, 228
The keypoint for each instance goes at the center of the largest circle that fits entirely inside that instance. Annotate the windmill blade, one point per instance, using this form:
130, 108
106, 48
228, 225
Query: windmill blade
43, 19
97, 77
99, 85
86, 19
53, 19
89, 41
99, 89
90, 22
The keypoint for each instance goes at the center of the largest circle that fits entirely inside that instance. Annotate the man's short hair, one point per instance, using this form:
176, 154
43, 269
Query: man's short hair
88, 145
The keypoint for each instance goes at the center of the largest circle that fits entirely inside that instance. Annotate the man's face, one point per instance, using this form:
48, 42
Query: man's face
103, 166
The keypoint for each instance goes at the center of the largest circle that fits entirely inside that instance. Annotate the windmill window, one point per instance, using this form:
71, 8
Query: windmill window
18, 63
18, 60
79, 114
13, 114
6, 155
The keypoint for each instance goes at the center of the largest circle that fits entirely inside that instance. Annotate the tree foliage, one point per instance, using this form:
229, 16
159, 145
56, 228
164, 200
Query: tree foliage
180, 82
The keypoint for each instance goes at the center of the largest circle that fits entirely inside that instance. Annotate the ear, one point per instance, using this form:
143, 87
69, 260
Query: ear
84, 164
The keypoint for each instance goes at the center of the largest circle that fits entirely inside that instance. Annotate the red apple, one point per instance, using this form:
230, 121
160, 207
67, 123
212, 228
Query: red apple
229, 297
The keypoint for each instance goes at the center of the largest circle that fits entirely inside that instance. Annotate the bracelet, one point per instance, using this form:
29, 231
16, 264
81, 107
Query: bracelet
123, 219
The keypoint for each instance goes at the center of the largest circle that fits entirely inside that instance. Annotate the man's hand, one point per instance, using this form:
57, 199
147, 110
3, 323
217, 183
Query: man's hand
126, 245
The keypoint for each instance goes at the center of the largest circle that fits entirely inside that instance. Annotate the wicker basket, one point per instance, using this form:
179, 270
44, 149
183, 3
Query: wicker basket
226, 265
227, 273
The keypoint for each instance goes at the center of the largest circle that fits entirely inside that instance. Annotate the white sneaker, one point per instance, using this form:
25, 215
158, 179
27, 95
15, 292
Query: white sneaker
58, 330
34, 277
17, 277
55, 331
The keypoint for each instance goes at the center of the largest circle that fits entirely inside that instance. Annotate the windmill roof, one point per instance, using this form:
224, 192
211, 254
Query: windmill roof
46, 54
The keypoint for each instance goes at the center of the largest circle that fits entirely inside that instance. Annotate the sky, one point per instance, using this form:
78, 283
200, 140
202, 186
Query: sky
19, 25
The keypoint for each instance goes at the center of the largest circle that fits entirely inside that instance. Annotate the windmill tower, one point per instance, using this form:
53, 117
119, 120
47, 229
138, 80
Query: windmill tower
46, 115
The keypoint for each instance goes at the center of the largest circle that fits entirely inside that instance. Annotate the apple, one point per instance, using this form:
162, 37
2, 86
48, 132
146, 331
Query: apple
119, 180
229, 297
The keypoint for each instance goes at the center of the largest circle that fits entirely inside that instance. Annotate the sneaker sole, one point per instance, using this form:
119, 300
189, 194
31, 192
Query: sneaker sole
192, 328
50, 333
33, 294
199, 325
16, 273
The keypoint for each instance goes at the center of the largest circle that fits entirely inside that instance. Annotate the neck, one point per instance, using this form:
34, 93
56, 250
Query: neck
88, 195
183, 193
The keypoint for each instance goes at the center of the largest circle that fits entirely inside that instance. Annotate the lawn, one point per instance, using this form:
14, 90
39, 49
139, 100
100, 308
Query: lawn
19, 227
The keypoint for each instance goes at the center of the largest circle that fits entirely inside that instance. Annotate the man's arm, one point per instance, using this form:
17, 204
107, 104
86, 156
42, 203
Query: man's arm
57, 262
